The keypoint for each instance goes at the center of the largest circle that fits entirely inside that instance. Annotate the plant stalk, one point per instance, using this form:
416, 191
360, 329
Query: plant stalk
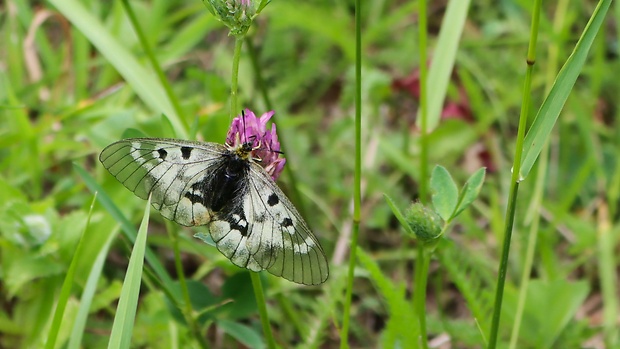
419, 293
188, 310
235, 78
422, 29
357, 182
262, 309
156, 66
256, 283
515, 180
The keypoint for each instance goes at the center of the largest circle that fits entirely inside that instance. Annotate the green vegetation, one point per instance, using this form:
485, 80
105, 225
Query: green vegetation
498, 227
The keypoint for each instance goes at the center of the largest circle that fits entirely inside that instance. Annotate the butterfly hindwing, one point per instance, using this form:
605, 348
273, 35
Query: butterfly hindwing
295, 252
250, 219
267, 232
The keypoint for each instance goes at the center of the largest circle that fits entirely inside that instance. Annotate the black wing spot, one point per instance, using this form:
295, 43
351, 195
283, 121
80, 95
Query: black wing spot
195, 199
287, 222
241, 224
186, 152
162, 153
273, 199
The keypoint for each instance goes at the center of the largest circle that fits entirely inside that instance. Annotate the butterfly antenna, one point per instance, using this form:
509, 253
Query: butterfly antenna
243, 120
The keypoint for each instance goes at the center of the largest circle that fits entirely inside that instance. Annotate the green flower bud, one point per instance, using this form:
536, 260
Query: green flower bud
235, 14
425, 223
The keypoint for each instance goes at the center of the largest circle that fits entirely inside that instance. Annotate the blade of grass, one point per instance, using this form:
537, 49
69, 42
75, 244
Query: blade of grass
552, 106
141, 80
443, 60
155, 64
533, 214
65, 290
89, 292
127, 227
128, 303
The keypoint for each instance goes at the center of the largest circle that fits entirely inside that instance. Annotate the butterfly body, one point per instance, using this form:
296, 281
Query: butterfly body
225, 188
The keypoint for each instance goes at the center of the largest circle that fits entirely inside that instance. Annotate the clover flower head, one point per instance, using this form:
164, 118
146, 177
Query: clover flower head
248, 128
425, 223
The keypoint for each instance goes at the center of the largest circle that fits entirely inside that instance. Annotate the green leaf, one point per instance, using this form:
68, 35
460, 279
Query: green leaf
238, 288
128, 303
549, 308
445, 192
200, 296
399, 215
548, 113
133, 133
470, 191
244, 334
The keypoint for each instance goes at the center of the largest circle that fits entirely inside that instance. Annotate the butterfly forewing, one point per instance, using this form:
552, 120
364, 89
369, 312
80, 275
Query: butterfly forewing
250, 219
167, 169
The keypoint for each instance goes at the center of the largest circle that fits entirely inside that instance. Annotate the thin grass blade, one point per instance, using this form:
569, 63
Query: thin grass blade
444, 58
552, 106
65, 291
128, 303
127, 227
89, 292
142, 80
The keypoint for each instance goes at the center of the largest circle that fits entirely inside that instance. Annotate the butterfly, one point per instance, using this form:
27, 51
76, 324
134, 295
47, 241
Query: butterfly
223, 187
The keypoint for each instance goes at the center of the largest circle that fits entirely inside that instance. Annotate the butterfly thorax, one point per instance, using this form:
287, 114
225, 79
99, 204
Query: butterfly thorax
243, 150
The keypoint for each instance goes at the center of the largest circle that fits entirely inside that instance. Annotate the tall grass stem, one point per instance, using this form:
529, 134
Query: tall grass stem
515, 180
357, 182
156, 66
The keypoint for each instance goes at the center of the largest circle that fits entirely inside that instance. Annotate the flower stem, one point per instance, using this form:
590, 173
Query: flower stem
256, 283
235, 77
514, 181
423, 258
357, 186
188, 310
422, 29
419, 293
262, 309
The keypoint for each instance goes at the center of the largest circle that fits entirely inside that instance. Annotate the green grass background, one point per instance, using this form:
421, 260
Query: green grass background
74, 77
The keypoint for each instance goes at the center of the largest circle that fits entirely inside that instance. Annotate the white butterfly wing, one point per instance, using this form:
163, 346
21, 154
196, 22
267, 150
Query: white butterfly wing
299, 257
167, 169
268, 233
250, 219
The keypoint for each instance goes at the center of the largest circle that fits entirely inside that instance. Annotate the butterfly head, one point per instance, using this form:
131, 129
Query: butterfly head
244, 150
249, 138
